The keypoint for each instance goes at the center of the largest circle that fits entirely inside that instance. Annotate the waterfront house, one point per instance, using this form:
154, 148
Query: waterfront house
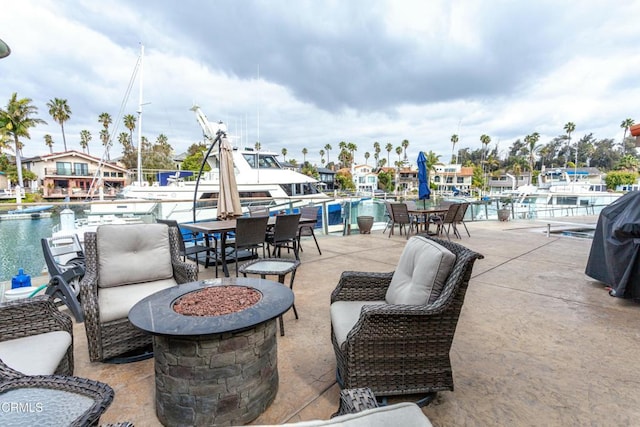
449, 178
71, 174
365, 180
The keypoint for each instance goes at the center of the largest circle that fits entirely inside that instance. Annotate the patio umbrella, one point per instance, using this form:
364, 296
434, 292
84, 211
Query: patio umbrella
229, 199
423, 179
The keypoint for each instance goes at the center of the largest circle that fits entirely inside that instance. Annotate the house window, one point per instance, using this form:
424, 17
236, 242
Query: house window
63, 168
81, 169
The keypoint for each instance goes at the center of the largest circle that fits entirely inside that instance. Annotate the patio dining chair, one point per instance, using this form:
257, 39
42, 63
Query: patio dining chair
400, 216
459, 218
250, 234
444, 222
307, 229
284, 235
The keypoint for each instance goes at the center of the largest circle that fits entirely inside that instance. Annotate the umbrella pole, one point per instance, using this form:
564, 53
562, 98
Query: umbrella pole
219, 135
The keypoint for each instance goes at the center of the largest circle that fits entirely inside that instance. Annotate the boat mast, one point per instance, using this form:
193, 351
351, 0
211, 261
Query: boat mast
140, 121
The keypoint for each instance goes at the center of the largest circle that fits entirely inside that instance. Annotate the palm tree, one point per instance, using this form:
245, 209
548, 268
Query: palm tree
328, 147
17, 119
626, 124
389, 148
104, 137
532, 148
366, 157
485, 140
569, 128
123, 139
304, 155
352, 150
399, 151
432, 159
376, 152
105, 119
5, 141
48, 141
85, 138
284, 154
405, 144
454, 141
60, 113
130, 123
322, 157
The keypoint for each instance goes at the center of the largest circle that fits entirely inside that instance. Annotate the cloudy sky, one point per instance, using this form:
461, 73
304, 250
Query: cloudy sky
303, 74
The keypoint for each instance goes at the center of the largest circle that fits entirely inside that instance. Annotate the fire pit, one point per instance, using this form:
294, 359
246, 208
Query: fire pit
214, 369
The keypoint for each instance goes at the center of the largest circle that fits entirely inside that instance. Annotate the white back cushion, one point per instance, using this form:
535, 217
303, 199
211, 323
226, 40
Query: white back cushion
133, 253
421, 272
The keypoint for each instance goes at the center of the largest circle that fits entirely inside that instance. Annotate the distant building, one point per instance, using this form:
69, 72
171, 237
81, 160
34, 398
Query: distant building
327, 179
365, 180
70, 174
452, 178
506, 182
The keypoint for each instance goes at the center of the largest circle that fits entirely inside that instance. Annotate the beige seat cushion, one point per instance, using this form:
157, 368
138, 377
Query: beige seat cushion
421, 272
133, 253
115, 302
345, 314
401, 414
36, 354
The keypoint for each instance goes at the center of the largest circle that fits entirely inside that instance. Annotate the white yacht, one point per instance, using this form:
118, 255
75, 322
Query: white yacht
261, 180
260, 177
561, 192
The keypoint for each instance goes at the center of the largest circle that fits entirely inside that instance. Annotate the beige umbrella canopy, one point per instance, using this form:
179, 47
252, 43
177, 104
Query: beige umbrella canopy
229, 199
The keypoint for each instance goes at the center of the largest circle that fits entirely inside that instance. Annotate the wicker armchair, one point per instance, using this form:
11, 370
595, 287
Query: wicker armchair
133, 252
29, 319
398, 349
53, 400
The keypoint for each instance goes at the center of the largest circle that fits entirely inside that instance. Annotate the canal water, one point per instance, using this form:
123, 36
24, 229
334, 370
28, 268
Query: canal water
20, 245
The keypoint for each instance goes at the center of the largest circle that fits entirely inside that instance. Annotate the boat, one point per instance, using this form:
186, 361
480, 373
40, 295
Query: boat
260, 177
561, 192
31, 209
30, 212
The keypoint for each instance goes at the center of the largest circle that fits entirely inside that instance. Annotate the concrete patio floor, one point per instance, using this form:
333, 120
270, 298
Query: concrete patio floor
538, 342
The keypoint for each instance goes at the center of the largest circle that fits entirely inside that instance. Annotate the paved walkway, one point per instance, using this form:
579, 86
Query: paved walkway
538, 342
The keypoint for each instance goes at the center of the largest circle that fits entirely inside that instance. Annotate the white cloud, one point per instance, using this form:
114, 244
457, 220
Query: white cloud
330, 71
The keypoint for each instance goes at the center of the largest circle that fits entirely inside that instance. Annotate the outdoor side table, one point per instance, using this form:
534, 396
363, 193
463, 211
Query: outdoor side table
276, 267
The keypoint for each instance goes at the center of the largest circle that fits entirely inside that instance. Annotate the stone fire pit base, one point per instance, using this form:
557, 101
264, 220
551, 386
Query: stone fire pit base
220, 379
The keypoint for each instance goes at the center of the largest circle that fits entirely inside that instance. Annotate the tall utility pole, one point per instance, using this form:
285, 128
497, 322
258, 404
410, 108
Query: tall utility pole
140, 121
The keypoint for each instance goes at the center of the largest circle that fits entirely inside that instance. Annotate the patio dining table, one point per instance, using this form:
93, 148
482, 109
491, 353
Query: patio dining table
426, 212
224, 227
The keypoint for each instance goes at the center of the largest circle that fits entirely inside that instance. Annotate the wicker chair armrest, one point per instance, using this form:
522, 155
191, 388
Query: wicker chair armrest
32, 316
361, 286
382, 322
184, 272
353, 400
7, 373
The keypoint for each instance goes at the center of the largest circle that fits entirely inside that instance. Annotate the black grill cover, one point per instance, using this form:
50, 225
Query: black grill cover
614, 258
